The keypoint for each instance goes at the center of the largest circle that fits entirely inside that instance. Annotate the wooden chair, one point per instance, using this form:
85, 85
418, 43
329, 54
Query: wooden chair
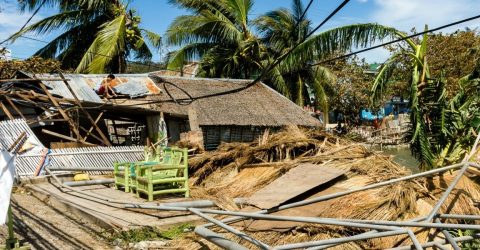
166, 177
124, 172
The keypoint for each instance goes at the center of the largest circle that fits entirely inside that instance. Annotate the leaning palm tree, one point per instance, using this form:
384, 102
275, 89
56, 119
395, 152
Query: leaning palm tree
220, 34
98, 35
283, 29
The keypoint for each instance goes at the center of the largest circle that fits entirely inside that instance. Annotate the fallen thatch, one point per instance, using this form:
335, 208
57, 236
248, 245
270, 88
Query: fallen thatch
241, 169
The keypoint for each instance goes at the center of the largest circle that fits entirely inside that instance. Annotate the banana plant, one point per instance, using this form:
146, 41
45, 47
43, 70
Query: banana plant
441, 128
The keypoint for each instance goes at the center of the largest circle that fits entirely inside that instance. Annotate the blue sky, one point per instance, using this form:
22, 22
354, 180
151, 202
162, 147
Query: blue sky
158, 14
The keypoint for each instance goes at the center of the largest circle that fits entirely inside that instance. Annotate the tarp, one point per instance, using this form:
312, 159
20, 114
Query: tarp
7, 175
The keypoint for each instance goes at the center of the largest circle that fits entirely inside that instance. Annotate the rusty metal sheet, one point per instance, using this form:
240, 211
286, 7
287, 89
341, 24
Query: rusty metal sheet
295, 182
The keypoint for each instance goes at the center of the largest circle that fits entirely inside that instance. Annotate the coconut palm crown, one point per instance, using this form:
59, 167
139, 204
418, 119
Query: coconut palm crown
220, 35
97, 35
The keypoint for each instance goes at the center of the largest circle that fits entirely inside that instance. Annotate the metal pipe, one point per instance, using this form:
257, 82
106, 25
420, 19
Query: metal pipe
376, 185
449, 237
459, 216
87, 183
447, 192
326, 221
230, 229
416, 224
338, 240
440, 241
218, 239
80, 169
339, 194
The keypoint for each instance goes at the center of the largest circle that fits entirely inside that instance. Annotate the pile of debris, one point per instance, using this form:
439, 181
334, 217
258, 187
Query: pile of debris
250, 170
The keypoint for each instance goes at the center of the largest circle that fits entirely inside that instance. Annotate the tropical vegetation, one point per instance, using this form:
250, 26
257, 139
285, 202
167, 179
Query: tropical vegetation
442, 127
98, 35
229, 44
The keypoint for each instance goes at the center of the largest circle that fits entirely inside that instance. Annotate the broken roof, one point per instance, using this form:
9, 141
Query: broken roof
258, 105
84, 86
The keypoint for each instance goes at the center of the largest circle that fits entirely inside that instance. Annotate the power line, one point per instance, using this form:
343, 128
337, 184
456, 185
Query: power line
26, 23
266, 70
95, 53
398, 40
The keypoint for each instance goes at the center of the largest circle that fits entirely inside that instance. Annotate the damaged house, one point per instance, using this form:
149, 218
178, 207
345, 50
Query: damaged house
66, 111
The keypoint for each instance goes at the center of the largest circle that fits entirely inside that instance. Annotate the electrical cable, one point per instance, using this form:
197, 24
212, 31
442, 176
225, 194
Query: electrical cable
398, 40
26, 23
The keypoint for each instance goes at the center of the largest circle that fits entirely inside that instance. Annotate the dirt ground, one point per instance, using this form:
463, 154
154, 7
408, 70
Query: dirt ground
45, 227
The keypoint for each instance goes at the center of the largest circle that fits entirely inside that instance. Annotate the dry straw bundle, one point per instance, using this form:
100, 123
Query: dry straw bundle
241, 169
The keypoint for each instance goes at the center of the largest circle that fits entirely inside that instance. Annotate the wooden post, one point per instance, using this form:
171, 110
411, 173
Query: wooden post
62, 112
92, 127
89, 117
64, 137
14, 107
5, 110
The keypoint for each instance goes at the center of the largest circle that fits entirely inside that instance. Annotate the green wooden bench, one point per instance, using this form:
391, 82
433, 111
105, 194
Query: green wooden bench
124, 172
166, 177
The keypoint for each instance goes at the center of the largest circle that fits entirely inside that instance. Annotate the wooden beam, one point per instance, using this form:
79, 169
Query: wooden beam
91, 128
89, 117
62, 112
5, 110
64, 137
32, 80
14, 107
93, 135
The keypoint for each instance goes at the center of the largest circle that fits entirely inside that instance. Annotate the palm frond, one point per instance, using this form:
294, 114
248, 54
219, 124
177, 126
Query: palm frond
108, 44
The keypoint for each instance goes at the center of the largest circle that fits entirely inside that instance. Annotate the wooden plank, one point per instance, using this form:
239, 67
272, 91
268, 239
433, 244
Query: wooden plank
311, 210
64, 137
32, 80
94, 136
91, 128
295, 182
62, 112
14, 107
89, 117
6, 111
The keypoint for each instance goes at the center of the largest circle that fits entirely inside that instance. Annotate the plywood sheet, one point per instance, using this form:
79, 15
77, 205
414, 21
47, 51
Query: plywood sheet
311, 210
295, 182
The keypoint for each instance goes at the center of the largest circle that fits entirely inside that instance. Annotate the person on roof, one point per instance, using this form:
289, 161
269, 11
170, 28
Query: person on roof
106, 87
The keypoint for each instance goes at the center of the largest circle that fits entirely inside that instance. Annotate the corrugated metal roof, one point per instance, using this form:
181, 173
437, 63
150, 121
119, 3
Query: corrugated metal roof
10, 130
84, 86
134, 85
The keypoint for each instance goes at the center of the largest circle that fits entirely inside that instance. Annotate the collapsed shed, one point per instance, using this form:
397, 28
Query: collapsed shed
67, 109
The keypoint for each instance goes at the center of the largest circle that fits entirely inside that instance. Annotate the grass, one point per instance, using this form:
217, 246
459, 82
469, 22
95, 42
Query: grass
151, 233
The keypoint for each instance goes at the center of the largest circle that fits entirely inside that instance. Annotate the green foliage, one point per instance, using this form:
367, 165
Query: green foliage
219, 34
443, 127
467, 245
97, 35
151, 233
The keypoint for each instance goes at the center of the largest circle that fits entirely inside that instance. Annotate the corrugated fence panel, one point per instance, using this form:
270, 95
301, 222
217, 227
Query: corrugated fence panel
89, 157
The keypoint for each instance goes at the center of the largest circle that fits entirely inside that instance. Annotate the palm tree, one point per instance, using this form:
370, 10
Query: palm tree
219, 33
98, 35
282, 29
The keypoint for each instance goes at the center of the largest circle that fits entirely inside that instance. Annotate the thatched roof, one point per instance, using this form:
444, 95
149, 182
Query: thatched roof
258, 105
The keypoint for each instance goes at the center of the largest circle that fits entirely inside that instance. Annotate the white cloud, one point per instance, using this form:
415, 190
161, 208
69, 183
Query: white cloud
406, 14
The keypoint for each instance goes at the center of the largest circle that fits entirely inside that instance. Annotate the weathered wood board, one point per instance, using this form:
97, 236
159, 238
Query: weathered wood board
295, 182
